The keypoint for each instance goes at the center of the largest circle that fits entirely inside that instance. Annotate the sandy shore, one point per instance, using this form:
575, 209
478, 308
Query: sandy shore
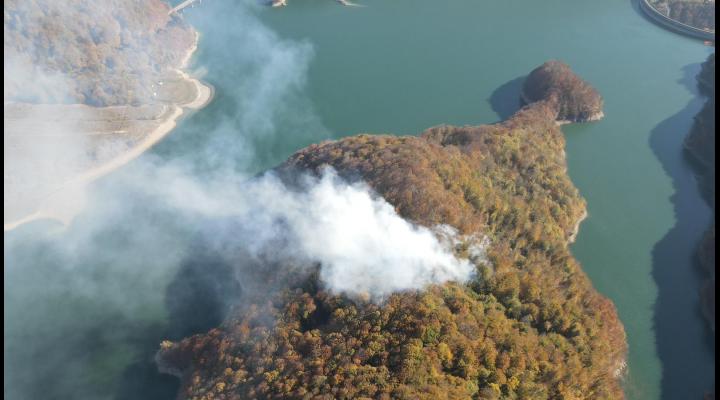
576, 228
204, 96
53, 208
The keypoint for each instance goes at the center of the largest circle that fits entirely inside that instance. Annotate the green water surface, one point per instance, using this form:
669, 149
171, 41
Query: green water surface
401, 66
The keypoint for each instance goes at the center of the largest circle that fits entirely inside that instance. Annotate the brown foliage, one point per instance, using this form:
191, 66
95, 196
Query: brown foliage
694, 13
574, 99
530, 326
109, 51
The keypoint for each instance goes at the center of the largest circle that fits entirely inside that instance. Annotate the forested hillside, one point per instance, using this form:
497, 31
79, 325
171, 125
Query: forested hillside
91, 52
528, 326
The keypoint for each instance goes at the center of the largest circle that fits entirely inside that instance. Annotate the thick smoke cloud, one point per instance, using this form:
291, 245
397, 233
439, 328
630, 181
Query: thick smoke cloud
91, 294
22, 80
363, 246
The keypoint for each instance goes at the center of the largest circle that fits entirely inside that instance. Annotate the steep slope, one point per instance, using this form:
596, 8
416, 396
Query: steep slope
529, 325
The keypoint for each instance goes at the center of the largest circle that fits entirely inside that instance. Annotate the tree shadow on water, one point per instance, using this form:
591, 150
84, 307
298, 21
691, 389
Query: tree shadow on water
197, 300
684, 343
505, 100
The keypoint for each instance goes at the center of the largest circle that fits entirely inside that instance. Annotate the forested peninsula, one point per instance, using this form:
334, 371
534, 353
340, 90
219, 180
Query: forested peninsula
529, 325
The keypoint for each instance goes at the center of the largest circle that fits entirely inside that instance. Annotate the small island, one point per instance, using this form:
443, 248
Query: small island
574, 99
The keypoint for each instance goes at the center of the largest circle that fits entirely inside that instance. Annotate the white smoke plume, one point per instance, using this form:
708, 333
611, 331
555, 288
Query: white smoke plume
88, 292
363, 246
23, 79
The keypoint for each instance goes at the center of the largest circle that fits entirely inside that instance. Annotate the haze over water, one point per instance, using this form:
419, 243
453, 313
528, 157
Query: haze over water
401, 66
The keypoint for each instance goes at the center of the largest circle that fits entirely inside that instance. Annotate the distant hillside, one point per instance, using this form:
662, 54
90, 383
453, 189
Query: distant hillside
92, 52
698, 14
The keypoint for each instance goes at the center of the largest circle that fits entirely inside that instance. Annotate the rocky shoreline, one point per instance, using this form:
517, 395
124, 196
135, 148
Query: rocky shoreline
699, 145
597, 116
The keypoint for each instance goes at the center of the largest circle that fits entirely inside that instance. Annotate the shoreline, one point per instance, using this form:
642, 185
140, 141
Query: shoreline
524, 100
171, 115
576, 229
674, 25
593, 118
283, 3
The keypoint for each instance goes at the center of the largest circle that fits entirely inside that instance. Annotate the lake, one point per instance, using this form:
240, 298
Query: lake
314, 70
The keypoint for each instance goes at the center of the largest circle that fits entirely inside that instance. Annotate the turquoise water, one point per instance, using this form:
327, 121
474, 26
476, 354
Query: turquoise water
400, 66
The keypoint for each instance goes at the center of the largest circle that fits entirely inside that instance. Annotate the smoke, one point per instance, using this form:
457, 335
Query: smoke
85, 305
362, 245
262, 113
24, 81
364, 248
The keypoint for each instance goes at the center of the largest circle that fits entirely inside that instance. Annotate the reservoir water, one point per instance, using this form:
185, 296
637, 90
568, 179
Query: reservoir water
314, 70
